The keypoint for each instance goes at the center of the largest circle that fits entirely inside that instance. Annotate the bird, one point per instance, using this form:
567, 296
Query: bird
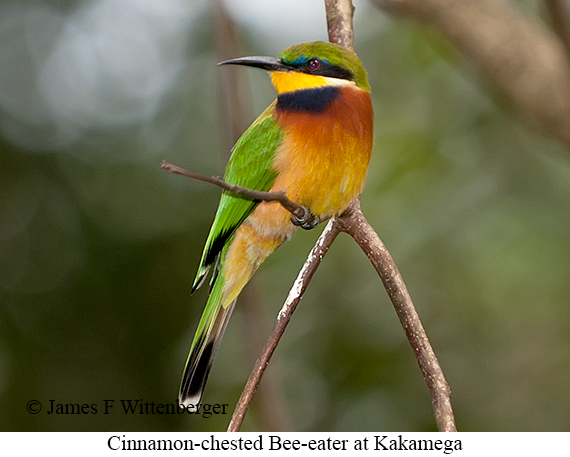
314, 141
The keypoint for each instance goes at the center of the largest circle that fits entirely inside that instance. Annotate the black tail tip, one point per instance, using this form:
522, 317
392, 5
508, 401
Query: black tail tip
190, 400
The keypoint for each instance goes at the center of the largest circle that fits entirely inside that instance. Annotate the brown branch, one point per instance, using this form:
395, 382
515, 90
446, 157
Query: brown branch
518, 54
355, 224
300, 212
339, 21
311, 264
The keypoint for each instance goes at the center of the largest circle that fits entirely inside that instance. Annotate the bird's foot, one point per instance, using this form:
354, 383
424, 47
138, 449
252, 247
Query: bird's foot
304, 219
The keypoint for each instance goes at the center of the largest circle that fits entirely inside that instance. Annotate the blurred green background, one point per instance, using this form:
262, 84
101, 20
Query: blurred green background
99, 246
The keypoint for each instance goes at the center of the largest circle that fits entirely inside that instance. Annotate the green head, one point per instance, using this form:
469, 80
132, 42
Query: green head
317, 58
326, 59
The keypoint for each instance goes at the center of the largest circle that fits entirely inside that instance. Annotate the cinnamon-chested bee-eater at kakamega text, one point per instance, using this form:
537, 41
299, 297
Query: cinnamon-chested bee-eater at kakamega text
314, 141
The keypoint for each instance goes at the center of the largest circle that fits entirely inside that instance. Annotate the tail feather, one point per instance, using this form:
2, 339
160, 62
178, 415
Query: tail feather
232, 270
204, 347
200, 278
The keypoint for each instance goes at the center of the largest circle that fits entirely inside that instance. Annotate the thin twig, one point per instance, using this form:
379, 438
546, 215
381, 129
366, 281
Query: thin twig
355, 224
311, 264
278, 196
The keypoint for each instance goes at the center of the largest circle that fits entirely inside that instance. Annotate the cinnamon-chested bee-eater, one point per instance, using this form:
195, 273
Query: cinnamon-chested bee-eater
314, 141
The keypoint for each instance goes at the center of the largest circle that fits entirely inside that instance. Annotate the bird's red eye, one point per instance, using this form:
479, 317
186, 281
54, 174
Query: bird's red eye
313, 64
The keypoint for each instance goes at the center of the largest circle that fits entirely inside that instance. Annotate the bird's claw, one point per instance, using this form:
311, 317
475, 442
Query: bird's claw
305, 220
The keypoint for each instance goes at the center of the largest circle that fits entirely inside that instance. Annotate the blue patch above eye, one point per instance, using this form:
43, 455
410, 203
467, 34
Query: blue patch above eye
297, 62
302, 60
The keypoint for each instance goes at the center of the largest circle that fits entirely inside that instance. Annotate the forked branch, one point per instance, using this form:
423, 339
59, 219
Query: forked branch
353, 222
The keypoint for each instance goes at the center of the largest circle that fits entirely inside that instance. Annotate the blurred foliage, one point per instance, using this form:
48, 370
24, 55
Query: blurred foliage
98, 246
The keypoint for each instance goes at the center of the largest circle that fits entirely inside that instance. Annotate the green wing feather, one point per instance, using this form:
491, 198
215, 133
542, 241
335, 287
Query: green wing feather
250, 166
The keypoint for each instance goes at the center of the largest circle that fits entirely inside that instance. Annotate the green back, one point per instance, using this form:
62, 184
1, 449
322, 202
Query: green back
250, 166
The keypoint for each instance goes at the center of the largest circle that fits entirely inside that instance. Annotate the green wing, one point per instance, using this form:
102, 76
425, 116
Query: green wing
249, 166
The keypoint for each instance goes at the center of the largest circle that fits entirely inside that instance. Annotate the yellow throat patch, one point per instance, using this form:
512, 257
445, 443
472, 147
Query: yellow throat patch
291, 81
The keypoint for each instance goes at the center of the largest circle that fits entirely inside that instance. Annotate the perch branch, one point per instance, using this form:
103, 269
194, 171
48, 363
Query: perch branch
300, 212
339, 22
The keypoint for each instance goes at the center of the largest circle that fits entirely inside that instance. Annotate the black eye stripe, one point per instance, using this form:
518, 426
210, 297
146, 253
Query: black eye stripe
322, 68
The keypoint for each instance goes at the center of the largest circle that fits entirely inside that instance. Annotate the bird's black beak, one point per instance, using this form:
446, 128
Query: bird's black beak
266, 63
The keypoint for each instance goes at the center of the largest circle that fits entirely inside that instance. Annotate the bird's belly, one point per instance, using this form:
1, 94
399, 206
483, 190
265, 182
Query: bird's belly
325, 172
